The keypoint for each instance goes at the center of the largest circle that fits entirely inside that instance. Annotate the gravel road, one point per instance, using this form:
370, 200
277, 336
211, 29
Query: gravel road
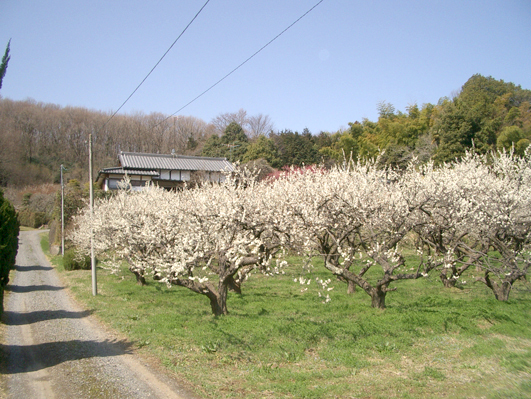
57, 350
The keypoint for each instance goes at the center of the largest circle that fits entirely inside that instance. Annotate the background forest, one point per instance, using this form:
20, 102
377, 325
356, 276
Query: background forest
36, 138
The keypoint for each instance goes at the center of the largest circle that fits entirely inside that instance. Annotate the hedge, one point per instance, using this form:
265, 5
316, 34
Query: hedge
9, 229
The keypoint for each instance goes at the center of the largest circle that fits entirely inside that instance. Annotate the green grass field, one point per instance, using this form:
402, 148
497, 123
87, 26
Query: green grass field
278, 342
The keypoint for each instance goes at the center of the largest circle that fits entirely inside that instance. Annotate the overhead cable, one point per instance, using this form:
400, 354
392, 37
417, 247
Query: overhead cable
244, 62
158, 62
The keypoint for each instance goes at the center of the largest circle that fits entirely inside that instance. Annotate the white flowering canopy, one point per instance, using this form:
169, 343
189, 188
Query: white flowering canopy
355, 216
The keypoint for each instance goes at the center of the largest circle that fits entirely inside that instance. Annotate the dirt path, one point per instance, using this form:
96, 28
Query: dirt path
55, 350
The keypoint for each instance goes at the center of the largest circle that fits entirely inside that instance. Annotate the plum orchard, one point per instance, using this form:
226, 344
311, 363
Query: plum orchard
186, 238
504, 219
476, 212
358, 217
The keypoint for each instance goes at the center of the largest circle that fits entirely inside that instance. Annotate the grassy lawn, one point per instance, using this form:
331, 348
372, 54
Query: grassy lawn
276, 342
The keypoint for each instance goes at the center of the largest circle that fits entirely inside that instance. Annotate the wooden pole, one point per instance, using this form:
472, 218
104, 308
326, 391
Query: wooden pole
62, 214
91, 191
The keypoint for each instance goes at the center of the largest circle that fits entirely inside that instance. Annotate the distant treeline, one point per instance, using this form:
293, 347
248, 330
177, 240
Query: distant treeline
36, 138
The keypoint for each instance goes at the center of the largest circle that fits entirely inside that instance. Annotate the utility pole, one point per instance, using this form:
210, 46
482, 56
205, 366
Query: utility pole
62, 212
91, 191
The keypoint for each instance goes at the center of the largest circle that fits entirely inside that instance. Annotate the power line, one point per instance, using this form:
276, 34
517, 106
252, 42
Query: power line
158, 62
243, 63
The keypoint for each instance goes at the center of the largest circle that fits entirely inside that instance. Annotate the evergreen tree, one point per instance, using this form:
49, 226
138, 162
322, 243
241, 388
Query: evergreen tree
9, 229
263, 148
231, 145
296, 149
478, 116
5, 61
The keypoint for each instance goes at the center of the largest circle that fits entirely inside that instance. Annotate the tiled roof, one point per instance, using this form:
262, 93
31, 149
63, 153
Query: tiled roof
119, 171
135, 160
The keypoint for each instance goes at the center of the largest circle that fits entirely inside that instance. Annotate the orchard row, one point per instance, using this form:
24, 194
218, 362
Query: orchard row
357, 217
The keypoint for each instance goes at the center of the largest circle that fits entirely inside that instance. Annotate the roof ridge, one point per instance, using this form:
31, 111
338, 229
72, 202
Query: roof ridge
172, 156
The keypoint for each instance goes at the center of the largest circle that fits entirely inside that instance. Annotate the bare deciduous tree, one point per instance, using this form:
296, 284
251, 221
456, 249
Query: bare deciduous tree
259, 125
185, 134
223, 120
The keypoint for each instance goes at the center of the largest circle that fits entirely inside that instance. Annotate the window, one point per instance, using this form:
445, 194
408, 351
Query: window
112, 184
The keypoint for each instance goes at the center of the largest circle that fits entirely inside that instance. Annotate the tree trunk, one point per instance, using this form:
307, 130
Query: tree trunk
217, 307
378, 298
351, 287
140, 279
218, 302
234, 285
218, 299
501, 292
447, 282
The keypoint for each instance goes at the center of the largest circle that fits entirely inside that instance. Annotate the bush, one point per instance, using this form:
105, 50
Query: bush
32, 219
37, 209
75, 261
9, 229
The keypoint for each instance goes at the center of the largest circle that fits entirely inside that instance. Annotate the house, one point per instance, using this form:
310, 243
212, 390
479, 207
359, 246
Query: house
165, 170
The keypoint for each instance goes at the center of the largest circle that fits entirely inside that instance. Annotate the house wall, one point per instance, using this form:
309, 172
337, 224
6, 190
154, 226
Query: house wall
168, 179
137, 182
175, 175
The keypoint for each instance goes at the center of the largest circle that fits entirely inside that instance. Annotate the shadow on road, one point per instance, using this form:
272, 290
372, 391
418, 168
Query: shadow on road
19, 319
31, 288
19, 268
23, 359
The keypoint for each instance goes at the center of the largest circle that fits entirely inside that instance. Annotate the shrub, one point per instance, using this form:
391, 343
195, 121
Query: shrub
9, 228
36, 210
32, 219
75, 261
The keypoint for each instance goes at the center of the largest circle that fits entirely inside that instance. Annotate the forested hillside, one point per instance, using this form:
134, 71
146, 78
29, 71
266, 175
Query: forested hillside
36, 138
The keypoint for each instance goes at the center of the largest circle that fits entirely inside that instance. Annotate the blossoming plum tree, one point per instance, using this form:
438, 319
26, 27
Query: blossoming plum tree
355, 217
476, 212
505, 222
446, 199
201, 238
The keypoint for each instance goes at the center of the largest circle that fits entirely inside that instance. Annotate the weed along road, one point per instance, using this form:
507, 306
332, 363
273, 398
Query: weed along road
56, 350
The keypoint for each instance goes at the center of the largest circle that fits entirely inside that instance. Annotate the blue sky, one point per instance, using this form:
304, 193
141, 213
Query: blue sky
329, 69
